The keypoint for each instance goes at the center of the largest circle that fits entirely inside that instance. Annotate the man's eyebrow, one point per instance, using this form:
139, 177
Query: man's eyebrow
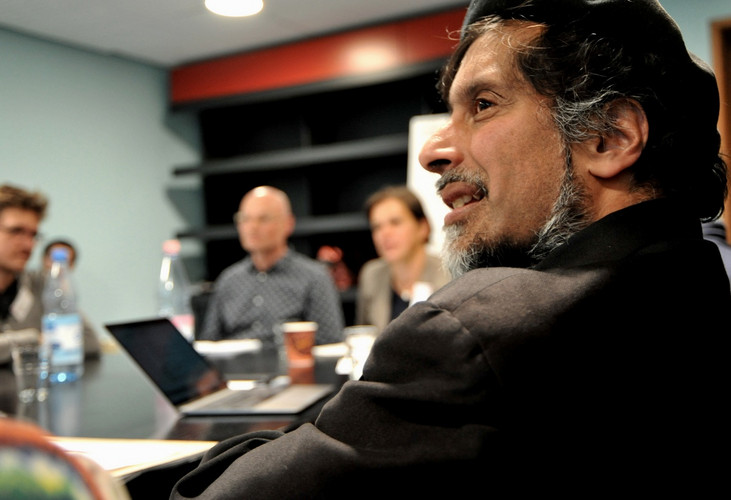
466, 93
461, 93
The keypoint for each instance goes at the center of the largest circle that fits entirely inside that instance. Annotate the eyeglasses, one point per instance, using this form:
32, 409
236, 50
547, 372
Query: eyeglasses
17, 232
240, 218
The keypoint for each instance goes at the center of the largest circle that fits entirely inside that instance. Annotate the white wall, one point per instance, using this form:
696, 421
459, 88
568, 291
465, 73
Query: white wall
92, 133
423, 182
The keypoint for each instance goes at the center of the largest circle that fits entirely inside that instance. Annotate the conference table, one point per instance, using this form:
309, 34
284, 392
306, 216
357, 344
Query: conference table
114, 399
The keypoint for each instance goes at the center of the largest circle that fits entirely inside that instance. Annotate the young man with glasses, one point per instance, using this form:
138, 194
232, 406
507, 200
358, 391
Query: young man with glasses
21, 213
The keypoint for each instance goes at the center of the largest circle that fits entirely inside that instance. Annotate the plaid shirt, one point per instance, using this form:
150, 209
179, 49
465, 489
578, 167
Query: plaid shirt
248, 303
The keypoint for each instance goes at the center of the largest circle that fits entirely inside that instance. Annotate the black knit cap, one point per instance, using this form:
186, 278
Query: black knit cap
641, 26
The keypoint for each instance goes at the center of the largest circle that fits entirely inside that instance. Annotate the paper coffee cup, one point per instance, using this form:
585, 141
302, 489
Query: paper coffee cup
299, 338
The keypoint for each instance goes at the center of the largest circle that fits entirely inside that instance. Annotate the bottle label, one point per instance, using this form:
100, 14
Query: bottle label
64, 333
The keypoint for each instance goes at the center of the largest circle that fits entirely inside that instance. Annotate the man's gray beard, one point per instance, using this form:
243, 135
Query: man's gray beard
568, 216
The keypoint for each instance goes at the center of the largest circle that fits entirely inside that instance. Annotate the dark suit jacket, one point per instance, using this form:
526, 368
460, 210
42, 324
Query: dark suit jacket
598, 372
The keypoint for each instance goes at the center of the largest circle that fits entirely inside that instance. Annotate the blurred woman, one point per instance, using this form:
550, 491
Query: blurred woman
403, 273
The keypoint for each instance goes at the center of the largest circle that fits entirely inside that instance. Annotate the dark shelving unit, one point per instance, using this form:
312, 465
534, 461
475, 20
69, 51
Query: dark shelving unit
328, 148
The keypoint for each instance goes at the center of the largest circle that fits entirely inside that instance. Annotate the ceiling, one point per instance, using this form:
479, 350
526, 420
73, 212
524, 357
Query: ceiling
169, 33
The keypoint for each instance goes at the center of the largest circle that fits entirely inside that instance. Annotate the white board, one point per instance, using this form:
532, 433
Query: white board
421, 181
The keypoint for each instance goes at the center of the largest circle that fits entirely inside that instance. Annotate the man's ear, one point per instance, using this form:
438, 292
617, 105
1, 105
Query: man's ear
291, 222
612, 153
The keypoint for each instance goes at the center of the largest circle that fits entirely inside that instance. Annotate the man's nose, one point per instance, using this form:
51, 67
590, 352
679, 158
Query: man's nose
439, 152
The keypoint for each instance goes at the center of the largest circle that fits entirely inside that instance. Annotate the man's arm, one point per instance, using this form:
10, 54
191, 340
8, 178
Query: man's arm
325, 308
416, 424
92, 346
211, 329
27, 335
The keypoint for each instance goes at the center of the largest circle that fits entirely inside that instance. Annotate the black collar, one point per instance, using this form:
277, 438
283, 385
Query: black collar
6, 299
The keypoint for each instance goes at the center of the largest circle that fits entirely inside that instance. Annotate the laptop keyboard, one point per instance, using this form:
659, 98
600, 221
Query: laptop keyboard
238, 399
260, 400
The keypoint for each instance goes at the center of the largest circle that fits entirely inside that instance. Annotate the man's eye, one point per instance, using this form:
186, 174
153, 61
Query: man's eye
482, 105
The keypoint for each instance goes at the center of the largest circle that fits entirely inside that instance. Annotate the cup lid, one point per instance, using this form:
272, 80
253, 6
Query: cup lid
299, 326
361, 330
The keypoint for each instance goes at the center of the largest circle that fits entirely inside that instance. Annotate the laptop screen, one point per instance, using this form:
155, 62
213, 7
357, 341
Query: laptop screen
168, 359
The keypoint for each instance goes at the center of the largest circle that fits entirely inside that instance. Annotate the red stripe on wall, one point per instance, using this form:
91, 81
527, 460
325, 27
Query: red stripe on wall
358, 52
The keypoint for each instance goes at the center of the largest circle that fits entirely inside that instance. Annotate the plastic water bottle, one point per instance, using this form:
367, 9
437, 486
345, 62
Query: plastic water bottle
61, 324
173, 290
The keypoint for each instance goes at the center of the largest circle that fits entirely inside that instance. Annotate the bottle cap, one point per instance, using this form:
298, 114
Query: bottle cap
60, 254
171, 246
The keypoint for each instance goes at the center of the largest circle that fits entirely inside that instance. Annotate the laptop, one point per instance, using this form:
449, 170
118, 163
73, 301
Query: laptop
195, 386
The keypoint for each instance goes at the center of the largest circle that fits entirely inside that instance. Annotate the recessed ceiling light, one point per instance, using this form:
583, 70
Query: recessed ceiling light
235, 8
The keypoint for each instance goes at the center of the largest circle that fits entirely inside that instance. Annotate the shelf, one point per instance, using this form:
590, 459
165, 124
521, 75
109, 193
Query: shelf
302, 157
327, 146
305, 227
